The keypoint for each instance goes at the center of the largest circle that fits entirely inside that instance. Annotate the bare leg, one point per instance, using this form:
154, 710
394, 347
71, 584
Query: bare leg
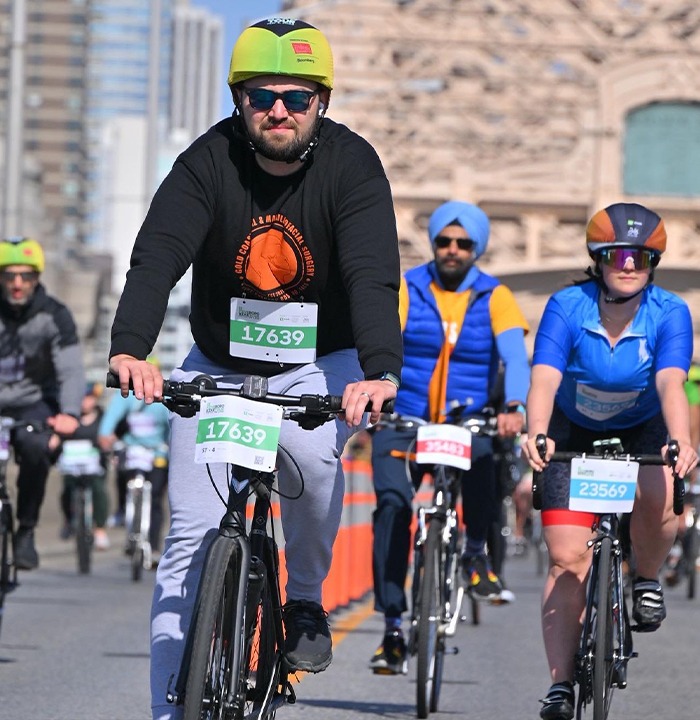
564, 596
653, 526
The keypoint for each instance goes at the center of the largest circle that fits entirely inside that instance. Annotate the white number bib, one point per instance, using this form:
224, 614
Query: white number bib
139, 458
238, 430
602, 486
79, 457
272, 331
444, 445
602, 405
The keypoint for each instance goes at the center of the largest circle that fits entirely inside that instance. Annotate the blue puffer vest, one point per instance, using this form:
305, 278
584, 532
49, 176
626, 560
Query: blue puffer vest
474, 360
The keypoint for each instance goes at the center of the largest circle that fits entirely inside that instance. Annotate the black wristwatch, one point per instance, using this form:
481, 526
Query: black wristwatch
393, 377
515, 408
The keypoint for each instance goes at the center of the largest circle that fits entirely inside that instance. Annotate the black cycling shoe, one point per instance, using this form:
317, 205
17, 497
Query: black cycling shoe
559, 703
648, 609
307, 642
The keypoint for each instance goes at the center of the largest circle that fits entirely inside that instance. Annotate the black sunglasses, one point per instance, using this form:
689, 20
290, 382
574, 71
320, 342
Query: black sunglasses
294, 100
442, 242
9, 276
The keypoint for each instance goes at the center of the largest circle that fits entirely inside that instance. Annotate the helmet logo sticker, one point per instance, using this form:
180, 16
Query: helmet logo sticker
302, 48
274, 261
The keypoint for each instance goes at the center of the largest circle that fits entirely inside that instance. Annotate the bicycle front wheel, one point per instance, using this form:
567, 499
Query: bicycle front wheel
604, 658
6, 570
215, 661
263, 678
82, 514
692, 550
429, 643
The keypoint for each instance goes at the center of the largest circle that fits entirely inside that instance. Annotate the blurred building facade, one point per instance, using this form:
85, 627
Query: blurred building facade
105, 102
540, 112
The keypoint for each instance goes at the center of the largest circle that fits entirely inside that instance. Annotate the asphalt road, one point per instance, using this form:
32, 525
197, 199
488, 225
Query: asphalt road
76, 648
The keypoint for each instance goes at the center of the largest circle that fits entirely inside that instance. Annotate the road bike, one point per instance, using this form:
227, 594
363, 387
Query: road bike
137, 462
8, 569
682, 561
436, 593
605, 647
233, 666
80, 465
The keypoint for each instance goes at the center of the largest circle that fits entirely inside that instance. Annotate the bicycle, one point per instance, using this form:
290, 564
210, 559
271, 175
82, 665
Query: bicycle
606, 646
137, 461
80, 464
436, 593
8, 570
232, 666
682, 562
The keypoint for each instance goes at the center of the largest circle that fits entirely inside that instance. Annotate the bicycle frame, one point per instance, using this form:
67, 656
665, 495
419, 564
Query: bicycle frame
255, 571
606, 541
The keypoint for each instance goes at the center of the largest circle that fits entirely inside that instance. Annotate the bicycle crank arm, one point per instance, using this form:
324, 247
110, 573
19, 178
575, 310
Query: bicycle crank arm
451, 627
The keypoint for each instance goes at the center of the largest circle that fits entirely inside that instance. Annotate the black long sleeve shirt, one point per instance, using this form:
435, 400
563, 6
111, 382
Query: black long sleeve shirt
325, 234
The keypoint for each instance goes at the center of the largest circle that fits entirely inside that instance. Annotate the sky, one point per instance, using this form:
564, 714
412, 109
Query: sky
237, 14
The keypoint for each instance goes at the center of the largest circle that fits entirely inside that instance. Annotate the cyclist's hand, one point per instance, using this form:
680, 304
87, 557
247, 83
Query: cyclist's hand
145, 377
510, 424
106, 442
531, 452
357, 395
63, 424
687, 458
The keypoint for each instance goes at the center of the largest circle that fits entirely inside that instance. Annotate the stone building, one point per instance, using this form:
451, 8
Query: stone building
540, 112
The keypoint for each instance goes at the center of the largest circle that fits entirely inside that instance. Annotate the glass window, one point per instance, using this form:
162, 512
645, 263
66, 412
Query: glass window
661, 150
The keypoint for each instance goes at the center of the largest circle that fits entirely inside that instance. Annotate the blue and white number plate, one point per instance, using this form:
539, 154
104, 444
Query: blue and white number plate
602, 486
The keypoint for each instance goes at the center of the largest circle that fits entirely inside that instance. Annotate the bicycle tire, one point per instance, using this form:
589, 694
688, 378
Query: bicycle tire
262, 671
83, 531
135, 540
691, 559
6, 582
215, 666
603, 661
429, 618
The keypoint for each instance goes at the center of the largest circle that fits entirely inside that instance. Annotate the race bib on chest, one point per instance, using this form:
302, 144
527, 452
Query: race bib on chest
271, 331
601, 405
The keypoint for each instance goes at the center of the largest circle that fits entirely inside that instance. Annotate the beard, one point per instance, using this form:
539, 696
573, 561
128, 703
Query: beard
287, 151
453, 274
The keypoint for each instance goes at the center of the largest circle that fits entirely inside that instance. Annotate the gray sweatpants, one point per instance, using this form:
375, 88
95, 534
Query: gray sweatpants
310, 523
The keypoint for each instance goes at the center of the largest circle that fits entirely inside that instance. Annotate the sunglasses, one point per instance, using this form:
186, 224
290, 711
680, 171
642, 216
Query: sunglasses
294, 100
26, 276
442, 242
617, 258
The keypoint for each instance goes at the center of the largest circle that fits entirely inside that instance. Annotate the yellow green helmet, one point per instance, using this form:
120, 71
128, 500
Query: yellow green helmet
21, 251
282, 46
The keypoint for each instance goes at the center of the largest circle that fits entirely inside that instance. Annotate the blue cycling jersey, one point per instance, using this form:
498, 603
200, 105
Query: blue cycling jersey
605, 387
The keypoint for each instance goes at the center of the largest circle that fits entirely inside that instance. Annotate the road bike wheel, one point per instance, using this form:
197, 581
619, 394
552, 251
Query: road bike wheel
429, 619
82, 511
603, 661
261, 675
134, 538
691, 557
215, 665
6, 579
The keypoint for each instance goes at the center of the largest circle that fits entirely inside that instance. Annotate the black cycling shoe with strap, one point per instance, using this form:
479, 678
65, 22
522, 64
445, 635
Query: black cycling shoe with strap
648, 608
559, 703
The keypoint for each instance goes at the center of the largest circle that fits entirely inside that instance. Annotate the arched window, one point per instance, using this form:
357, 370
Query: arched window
662, 150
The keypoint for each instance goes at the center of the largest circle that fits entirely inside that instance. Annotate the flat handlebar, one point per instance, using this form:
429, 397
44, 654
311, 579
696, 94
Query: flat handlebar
183, 398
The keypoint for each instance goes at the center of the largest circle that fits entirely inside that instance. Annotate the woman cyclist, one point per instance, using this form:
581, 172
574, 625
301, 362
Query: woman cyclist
611, 356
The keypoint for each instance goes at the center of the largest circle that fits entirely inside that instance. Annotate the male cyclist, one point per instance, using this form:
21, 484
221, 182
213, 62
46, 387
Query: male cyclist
458, 325
41, 378
284, 208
